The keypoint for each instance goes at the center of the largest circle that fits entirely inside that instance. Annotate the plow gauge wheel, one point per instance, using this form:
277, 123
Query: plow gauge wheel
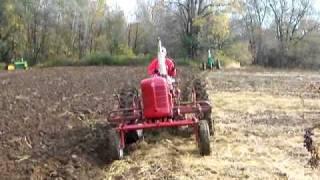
204, 138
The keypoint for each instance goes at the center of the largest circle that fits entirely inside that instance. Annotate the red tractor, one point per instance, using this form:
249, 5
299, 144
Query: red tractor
159, 106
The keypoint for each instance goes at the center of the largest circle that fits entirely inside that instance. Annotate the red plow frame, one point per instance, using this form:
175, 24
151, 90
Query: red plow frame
184, 114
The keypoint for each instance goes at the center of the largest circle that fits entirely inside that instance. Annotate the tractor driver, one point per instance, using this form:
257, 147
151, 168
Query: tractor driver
153, 68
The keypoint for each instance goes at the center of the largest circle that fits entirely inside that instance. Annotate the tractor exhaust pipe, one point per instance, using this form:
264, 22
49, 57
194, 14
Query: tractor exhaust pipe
162, 59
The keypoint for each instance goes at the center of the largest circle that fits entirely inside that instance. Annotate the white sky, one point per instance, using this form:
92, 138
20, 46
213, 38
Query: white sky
317, 4
130, 6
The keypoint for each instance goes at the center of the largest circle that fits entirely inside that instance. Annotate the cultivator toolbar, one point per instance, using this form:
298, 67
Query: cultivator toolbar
191, 114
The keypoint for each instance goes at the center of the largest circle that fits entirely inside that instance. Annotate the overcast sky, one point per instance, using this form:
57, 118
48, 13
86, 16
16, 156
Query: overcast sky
317, 4
130, 6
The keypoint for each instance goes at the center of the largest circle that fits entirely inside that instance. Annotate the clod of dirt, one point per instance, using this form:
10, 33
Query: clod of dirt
311, 147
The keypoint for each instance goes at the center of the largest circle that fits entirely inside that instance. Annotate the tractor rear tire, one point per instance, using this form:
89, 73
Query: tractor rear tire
202, 95
204, 138
207, 117
218, 65
211, 66
116, 153
129, 96
200, 89
203, 66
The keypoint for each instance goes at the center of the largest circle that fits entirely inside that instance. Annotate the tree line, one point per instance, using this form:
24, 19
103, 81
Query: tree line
278, 33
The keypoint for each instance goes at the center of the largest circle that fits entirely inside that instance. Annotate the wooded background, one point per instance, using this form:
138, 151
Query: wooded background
276, 33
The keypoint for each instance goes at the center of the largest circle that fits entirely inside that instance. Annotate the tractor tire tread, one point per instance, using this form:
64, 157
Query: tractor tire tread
114, 144
204, 138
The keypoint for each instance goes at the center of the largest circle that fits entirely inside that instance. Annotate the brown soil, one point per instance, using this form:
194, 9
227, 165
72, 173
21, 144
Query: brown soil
53, 121
53, 126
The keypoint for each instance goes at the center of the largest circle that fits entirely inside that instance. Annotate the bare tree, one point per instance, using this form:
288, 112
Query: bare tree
288, 15
255, 14
188, 11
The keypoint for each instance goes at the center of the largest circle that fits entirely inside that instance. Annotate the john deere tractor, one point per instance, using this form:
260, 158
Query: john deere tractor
211, 63
18, 64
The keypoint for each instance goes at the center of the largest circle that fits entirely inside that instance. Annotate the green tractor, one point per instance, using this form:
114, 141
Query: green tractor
211, 63
21, 64
17, 64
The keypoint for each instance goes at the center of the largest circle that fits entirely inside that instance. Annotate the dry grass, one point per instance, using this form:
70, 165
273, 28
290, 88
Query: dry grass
261, 135
255, 102
163, 157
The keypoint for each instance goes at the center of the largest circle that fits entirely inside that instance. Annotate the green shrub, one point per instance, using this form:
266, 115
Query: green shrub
186, 62
58, 62
100, 59
181, 61
238, 52
124, 50
2, 66
223, 58
119, 60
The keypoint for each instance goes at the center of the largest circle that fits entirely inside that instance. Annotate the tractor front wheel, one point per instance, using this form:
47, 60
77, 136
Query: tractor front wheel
116, 153
204, 138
